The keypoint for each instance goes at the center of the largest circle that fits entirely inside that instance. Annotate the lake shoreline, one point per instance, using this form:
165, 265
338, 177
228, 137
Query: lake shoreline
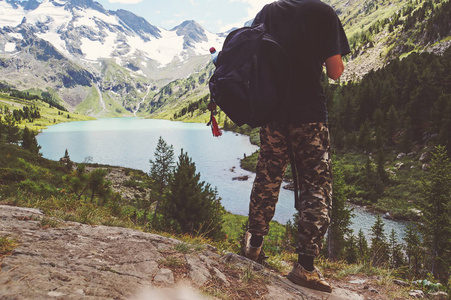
214, 159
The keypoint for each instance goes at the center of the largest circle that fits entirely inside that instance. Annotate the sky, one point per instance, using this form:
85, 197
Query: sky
214, 15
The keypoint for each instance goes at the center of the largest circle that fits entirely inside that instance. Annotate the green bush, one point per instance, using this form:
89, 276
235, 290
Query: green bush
12, 175
37, 187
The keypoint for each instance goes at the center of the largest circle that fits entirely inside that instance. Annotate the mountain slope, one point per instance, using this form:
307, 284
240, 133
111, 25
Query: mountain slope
380, 31
83, 35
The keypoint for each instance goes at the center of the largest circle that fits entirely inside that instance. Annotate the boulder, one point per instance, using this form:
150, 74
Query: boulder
400, 155
438, 296
417, 294
241, 178
424, 156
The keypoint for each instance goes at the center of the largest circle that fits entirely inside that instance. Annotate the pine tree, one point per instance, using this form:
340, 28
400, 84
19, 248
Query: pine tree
380, 166
161, 169
407, 137
29, 141
98, 185
65, 160
2, 129
445, 129
392, 124
413, 248
192, 206
435, 205
77, 181
380, 138
340, 217
396, 256
378, 118
11, 130
364, 136
291, 234
362, 247
379, 247
351, 254
370, 182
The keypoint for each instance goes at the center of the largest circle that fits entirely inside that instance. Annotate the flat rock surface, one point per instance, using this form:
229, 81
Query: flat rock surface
78, 261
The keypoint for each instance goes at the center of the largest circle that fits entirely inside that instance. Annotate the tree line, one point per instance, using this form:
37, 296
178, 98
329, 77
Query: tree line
395, 107
10, 133
24, 113
427, 242
44, 96
199, 105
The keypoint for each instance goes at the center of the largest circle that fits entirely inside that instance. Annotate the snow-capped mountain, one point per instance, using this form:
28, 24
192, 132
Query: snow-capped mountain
83, 52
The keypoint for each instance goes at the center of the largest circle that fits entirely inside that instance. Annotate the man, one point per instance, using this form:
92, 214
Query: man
312, 36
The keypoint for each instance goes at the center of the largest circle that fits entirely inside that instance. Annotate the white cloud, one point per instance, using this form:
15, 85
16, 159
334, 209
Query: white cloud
227, 27
125, 1
254, 6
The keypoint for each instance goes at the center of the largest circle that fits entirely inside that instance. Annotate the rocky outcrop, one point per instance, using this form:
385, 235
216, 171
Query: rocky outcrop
76, 261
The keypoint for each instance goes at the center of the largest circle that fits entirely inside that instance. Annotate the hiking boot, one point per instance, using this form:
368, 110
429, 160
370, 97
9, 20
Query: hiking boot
311, 279
251, 252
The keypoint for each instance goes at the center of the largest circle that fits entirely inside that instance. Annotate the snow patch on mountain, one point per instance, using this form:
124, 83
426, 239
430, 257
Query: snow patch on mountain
83, 31
94, 16
10, 47
47, 13
166, 48
95, 50
71, 46
10, 16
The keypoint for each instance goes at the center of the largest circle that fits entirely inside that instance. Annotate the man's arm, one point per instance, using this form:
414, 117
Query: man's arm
334, 66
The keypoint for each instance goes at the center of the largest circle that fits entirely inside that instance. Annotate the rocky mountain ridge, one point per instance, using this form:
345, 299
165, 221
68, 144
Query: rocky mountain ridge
118, 56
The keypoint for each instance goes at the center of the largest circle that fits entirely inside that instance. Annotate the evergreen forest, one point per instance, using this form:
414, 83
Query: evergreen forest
398, 107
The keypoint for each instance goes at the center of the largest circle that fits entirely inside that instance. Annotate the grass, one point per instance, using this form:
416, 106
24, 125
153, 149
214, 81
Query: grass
50, 223
91, 105
49, 115
172, 262
7, 244
235, 227
182, 248
69, 208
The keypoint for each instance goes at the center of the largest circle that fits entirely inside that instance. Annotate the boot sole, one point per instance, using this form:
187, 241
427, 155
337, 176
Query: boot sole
295, 279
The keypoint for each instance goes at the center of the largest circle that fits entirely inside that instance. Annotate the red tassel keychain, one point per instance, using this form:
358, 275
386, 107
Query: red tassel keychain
214, 126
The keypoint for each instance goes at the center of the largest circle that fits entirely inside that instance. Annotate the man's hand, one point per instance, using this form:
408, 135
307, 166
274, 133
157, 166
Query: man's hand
334, 66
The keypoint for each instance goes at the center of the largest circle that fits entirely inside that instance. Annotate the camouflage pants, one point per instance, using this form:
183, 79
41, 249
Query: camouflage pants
311, 145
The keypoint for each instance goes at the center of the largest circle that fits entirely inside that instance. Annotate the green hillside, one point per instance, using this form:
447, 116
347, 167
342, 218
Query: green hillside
182, 99
35, 110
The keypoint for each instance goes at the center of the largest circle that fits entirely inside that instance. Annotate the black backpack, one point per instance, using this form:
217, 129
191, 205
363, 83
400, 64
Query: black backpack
251, 77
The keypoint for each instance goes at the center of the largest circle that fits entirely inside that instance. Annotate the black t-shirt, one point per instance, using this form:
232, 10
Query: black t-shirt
309, 31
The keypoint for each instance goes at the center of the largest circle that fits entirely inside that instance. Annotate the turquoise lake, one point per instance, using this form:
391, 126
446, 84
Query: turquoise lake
131, 142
